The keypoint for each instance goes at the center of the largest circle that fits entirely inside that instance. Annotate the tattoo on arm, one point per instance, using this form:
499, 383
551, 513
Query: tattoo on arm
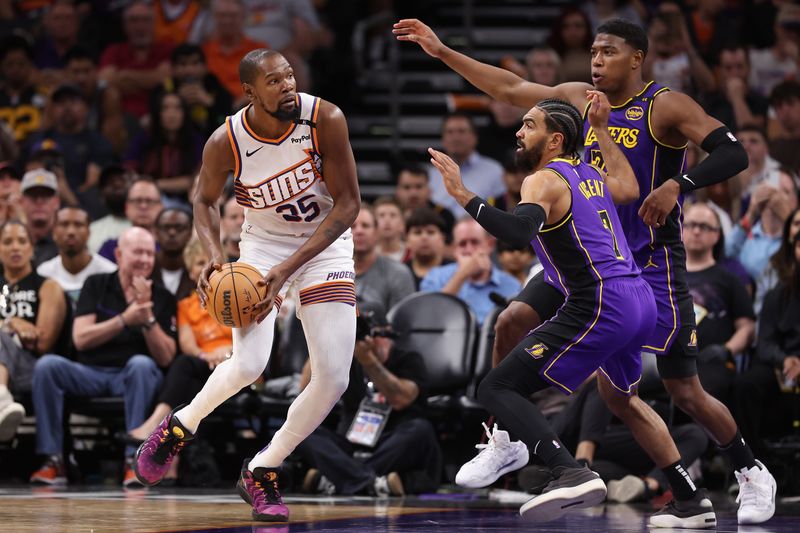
388, 382
336, 229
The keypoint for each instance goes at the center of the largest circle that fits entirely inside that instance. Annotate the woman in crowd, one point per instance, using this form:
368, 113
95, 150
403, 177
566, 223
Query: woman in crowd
571, 37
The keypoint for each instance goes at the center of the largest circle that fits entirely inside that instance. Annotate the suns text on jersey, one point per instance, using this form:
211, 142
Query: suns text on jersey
283, 186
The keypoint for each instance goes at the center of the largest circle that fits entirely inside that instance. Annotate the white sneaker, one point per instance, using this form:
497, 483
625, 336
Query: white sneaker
11, 414
756, 498
497, 457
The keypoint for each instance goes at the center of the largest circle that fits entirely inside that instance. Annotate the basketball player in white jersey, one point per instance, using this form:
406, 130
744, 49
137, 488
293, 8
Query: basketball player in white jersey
295, 175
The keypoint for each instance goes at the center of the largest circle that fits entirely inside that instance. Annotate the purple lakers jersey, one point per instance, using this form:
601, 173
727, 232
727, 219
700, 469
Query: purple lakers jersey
584, 247
653, 163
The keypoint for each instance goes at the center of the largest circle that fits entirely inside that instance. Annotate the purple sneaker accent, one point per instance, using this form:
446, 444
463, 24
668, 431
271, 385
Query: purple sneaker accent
154, 456
259, 488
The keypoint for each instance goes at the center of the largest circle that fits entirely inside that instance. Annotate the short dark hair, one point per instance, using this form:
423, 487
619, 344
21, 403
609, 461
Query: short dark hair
784, 93
563, 117
250, 65
78, 52
413, 168
187, 50
181, 210
425, 216
732, 48
633, 34
16, 43
753, 129
77, 208
461, 115
386, 200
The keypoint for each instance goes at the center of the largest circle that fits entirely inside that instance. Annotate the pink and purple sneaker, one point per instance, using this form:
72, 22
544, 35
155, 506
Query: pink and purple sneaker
259, 488
154, 456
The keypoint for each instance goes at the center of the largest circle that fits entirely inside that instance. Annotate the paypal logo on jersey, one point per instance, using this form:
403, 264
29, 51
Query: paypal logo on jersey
298, 140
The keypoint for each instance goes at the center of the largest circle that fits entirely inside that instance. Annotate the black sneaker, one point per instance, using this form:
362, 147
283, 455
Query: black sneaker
534, 478
697, 513
572, 488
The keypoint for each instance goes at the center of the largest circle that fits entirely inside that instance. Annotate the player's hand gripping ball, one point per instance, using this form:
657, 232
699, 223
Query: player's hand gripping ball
233, 291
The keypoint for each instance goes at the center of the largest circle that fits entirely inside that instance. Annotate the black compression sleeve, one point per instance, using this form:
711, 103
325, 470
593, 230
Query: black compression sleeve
726, 158
517, 228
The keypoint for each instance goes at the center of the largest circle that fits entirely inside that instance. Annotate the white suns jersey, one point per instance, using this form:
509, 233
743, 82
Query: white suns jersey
279, 181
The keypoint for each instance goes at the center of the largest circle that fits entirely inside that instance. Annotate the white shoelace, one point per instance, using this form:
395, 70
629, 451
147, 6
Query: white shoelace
490, 445
751, 493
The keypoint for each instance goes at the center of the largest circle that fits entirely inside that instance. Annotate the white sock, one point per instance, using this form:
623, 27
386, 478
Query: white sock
251, 351
330, 330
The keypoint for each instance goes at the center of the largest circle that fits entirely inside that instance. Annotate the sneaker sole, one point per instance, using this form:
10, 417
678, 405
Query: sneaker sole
553, 504
701, 521
518, 463
244, 495
764, 517
10, 419
135, 467
622, 491
56, 482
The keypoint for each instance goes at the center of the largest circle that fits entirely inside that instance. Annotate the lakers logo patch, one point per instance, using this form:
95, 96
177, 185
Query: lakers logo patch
537, 350
634, 113
693, 338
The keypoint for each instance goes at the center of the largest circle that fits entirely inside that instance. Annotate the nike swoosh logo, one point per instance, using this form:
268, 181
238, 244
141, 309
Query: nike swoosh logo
689, 180
249, 153
479, 211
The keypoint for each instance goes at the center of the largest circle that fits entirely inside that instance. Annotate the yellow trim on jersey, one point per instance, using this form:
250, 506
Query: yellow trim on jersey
637, 95
573, 162
611, 381
315, 111
591, 326
650, 125
234, 147
557, 225
257, 137
652, 186
672, 306
568, 215
549, 260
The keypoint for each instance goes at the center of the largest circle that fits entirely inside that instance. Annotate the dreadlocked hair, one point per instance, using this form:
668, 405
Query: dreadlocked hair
563, 117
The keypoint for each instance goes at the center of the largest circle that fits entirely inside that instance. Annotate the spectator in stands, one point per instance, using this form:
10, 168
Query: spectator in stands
139, 64
571, 37
770, 66
777, 361
231, 220
173, 231
40, 202
513, 176
9, 150
673, 61
519, 262
209, 102
74, 263
202, 343
60, 24
113, 185
762, 168
782, 261
734, 103
600, 11
124, 333
379, 279
46, 155
33, 310
757, 235
472, 277
85, 152
142, 207
9, 192
170, 152
784, 133
391, 228
21, 101
228, 44
425, 243
405, 455
724, 312
413, 192
179, 21
542, 65
712, 26
103, 100
480, 173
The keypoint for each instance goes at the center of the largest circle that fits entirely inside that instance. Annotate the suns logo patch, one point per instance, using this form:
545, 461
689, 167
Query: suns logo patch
634, 113
537, 350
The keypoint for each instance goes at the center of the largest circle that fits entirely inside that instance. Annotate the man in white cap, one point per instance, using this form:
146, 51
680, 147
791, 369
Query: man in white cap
40, 202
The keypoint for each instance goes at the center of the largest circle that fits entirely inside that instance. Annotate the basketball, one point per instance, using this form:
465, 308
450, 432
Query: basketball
234, 290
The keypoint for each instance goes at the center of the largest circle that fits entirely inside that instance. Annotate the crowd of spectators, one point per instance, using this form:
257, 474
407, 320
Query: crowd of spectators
104, 111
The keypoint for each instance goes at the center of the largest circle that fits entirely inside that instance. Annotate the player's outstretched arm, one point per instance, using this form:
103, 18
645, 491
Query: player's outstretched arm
498, 83
683, 118
620, 179
218, 162
541, 192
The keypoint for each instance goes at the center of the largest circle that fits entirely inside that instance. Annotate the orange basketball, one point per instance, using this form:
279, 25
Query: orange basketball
234, 290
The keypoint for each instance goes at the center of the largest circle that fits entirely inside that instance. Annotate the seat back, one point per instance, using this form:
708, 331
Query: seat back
442, 329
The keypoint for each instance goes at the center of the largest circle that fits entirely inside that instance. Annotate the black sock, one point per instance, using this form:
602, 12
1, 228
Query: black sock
739, 453
554, 454
683, 488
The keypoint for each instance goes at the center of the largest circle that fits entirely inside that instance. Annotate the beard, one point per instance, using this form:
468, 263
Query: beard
280, 113
529, 159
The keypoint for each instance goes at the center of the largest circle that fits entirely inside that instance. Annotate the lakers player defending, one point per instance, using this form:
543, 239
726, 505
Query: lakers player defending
295, 175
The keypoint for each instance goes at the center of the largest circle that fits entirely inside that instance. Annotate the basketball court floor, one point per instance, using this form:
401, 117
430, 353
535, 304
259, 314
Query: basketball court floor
96, 510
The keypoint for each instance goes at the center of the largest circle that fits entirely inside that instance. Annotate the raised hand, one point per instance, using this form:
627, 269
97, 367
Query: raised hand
451, 176
415, 31
599, 111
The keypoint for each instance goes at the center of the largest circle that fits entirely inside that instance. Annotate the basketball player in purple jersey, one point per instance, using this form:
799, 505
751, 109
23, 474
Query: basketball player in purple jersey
567, 214
652, 125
